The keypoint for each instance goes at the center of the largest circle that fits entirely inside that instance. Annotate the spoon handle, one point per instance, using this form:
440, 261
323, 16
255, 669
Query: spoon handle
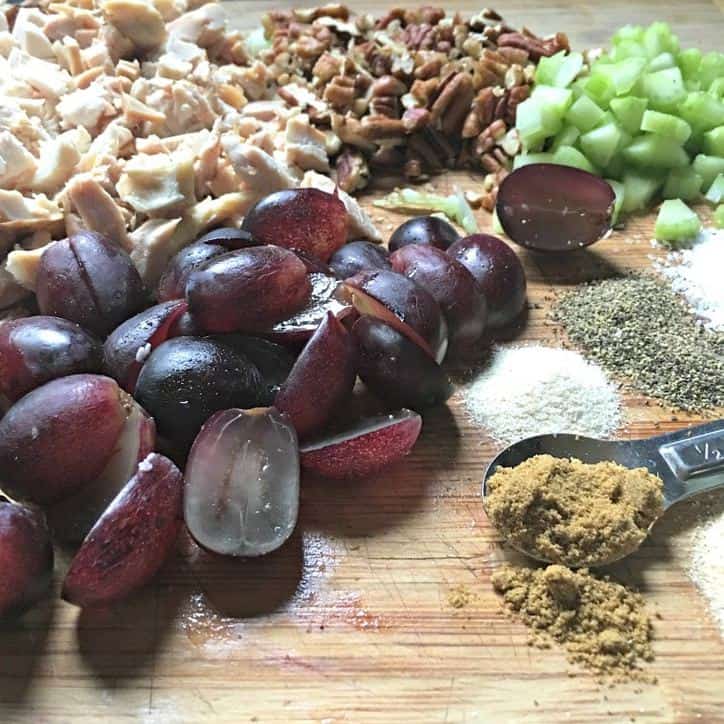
696, 458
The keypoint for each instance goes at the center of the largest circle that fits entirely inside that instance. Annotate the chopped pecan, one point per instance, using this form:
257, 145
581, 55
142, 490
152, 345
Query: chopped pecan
423, 91
340, 93
415, 119
350, 132
388, 85
429, 69
352, 172
535, 47
379, 128
388, 106
413, 168
515, 97
514, 56
453, 104
326, 67
388, 156
484, 106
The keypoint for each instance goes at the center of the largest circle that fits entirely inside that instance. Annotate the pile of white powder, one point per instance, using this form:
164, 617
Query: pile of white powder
535, 390
696, 273
706, 567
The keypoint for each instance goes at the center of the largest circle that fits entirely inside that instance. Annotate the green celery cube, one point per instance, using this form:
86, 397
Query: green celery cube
629, 111
569, 156
702, 111
715, 194
584, 114
676, 222
524, 159
719, 216
658, 39
714, 141
638, 190
651, 151
711, 68
664, 89
600, 144
666, 125
708, 167
682, 183
618, 189
689, 61
559, 70
622, 75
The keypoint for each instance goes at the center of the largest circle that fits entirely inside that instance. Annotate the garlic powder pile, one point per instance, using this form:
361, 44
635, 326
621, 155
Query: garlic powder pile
696, 273
535, 390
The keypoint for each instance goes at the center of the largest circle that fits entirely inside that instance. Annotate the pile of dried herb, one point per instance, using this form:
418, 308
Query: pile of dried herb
637, 327
603, 626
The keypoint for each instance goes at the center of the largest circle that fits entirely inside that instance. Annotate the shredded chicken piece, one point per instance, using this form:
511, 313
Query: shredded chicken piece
258, 170
98, 209
306, 146
138, 20
17, 165
58, 160
22, 265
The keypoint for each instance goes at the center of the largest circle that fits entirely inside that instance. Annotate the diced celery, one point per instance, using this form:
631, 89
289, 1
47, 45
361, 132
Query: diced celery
652, 151
601, 143
719, 217
569, 156
716, 89
616, 166
567, 136
689, 61
715, 194
557, 100
584, 114
666, 125
600, 89
708, 167
702, 111
682, 183
676, 222
524, 159
658, 39
617, 187
714, 141
711, 68
559, 70
627, 49
622, 75
638, 190
535, 122
664, 89
629, 111
628, 33
661, 62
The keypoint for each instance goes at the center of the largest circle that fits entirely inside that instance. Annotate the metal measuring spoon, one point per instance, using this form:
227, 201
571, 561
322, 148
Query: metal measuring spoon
689, 462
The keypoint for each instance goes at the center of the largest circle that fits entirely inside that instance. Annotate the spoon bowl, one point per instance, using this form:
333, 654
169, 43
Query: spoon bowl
689, 461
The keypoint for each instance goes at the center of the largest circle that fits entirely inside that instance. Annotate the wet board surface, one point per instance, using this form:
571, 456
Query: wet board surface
352, 620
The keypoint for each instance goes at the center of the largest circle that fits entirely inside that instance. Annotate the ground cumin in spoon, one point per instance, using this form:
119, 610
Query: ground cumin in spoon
562, 510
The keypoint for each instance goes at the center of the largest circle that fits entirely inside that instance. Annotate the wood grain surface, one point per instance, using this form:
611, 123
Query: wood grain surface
352, 620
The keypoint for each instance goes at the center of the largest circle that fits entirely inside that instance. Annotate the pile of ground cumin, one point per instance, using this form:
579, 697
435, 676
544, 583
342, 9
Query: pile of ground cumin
602, 625
564, 511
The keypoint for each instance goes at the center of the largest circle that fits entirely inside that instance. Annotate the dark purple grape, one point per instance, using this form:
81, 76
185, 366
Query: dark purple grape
89, 280
173, 281
321, 380
60, 436
186, 379
453, 288
35, 350
247, 290
127, 347
498, 272
26, 558
427, 230
397, 370
229, 237
548, 207
132, 539
402, 303
359, 256
273, 361
307, 220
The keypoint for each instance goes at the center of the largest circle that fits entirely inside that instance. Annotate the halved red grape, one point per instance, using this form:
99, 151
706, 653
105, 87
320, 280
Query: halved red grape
61, 436
369, 447
453, 288
322, 378
273, 361
548, 207
247, 290
172, 284
35, 350
186, 379
127, 347
400, 302
426, 230
88, 279
397, 370
229, 237
26, 558
72, 517
132, 539
298, 328
307, 220
498, 272
313, 264
358, 256
241, 491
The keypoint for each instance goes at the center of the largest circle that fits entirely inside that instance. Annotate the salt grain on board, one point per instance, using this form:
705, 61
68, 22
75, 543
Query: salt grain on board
706, 567
533, 390
696, 273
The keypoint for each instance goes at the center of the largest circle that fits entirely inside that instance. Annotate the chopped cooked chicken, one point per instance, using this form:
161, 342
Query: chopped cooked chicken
306, 146
16, 207
113, 142
22, 264
138, 20
203, 26
28, 32
360, 224
86, 107
48, 79
17, 165
259, 171
98, 209
158, 185
58, 160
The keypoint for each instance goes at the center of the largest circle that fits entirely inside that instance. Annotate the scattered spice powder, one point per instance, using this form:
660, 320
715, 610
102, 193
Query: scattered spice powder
566, 511
459, 596
706, 567
636, 326
603, 626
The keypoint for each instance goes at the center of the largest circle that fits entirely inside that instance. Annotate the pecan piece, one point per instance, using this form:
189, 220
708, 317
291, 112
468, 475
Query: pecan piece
340, 93
352, 171
535, 47
452, 105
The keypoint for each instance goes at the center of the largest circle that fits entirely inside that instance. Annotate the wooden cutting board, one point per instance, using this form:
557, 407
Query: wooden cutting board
353, 620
